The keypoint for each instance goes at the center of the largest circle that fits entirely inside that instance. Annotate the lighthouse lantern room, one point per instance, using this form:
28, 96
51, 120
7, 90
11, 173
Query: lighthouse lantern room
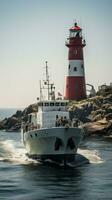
75, 80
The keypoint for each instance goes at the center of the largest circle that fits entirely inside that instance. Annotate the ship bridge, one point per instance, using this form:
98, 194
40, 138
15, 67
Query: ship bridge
52, 105
49, 110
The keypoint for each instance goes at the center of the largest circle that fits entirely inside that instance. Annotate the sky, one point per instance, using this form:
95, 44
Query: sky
33, 31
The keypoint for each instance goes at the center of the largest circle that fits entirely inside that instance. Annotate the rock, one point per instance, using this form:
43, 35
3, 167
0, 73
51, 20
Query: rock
105, 90
108, 116
30, 109
108, 128
100, 128
92, 111
1, 125
97, 117
109, 109
81, 111
11, 123
18, 114
95, 128
108, 99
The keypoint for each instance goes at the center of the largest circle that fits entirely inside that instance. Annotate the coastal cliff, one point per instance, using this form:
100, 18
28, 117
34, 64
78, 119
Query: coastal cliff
94, 115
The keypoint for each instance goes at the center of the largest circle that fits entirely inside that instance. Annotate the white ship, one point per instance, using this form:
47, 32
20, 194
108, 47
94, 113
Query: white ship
50, 133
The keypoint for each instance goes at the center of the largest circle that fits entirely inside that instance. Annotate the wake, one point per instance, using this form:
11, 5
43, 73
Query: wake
92, 155
13, 151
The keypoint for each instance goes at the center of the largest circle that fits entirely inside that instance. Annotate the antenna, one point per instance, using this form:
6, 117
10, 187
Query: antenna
75, 24
41, 96
47, 78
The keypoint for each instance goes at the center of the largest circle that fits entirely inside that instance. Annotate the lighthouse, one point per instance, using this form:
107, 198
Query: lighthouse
75, 79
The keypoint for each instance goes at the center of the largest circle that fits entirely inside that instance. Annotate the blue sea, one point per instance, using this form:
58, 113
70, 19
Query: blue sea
22, 178
7, 112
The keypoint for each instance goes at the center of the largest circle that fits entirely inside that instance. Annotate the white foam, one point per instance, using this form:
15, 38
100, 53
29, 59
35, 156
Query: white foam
92, 155
15, 152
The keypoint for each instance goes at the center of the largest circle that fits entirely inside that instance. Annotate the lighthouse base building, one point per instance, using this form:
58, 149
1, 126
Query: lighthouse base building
75, 79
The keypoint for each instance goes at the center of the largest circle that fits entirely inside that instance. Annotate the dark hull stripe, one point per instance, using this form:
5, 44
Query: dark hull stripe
56, 157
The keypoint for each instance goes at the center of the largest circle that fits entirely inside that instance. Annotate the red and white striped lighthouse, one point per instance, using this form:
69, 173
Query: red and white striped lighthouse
75, 80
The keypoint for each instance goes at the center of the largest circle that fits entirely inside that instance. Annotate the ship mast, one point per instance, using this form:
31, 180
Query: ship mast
41, 95
50, 86
47, 85
47, 80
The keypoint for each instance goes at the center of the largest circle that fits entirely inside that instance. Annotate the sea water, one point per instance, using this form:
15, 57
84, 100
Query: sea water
7, 112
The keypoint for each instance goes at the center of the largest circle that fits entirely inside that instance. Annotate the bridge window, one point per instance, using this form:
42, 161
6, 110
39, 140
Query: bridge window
69, 66
52, 104
46, 104
75, 69
63, 104
57, 104
40, 104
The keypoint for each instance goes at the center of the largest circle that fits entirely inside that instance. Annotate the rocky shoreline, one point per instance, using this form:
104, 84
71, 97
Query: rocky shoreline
13, 123
94, 115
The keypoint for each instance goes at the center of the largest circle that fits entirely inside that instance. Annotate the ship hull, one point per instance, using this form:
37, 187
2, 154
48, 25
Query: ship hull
58, 158
58, 144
